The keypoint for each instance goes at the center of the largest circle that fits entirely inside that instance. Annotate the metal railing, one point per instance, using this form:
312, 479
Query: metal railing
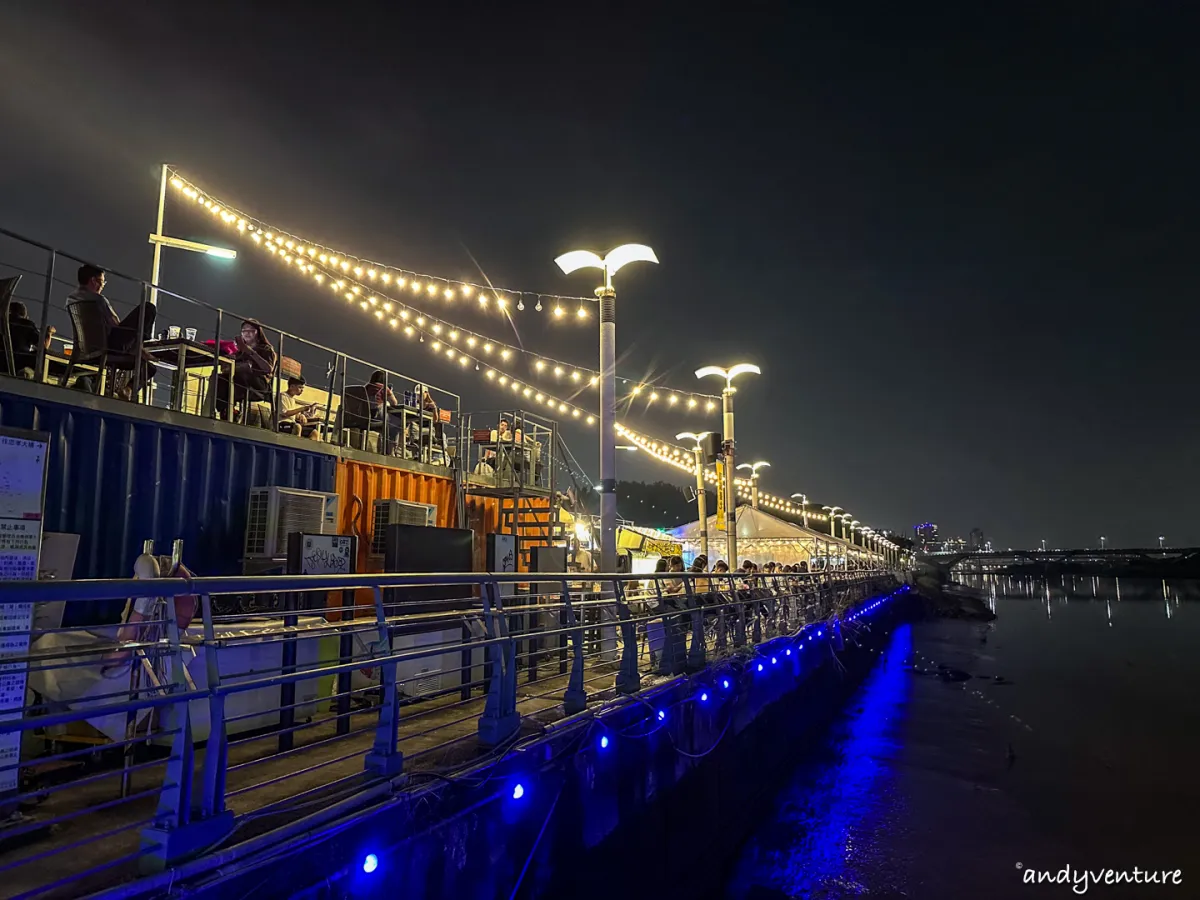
151, 742
188, 375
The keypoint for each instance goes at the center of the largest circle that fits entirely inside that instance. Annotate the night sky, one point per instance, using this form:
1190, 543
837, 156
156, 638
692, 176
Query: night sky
960, 241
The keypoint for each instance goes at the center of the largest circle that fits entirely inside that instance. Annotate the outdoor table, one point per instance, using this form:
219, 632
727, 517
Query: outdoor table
182, 355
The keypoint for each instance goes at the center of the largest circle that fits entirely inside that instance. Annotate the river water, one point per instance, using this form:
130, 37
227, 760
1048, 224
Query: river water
1084, 754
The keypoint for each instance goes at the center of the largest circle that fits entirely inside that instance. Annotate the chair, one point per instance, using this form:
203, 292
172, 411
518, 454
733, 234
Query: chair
91, 345
8, 287
358, 421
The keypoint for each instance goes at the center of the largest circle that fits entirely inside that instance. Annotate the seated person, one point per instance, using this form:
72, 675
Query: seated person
501, 433
24, 335
293, 415
122, 333
379, 395
253, 366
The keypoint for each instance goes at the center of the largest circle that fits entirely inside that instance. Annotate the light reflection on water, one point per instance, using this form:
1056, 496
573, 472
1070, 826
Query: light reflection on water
1084, 753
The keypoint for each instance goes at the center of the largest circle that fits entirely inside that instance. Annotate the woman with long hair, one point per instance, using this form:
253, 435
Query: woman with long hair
253, 367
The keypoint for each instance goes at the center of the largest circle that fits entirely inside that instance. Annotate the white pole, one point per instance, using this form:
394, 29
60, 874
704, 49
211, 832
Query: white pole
608, 421
158, 232
701, 500
730, 493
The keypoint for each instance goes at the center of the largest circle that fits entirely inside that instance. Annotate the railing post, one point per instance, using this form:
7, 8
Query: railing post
46, 294
499, 720
739, 624
669, 662
696, 650
385, 758
575, 697
629, 681
174, 834
216, 752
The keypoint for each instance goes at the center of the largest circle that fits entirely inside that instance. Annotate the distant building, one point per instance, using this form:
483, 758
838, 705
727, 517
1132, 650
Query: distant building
975, 540
925, 537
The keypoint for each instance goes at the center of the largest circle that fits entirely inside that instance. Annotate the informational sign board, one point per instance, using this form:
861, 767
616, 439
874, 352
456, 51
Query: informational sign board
23, 456
721, 497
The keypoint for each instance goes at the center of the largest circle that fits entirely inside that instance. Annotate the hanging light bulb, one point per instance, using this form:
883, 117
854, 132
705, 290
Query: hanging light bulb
581, 313
521, 303
539, 305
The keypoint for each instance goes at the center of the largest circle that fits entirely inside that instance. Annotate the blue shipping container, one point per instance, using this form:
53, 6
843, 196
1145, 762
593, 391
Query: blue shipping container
117, 480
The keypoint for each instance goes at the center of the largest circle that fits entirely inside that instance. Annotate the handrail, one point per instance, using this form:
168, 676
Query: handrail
118, 588
587, 639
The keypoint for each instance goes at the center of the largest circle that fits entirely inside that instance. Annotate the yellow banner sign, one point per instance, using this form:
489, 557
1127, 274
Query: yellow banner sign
720, 495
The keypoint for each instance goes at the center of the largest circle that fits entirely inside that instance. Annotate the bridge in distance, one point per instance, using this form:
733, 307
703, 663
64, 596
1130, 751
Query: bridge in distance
1155, 562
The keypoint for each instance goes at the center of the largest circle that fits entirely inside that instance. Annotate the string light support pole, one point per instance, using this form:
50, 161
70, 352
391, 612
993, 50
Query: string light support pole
607, 295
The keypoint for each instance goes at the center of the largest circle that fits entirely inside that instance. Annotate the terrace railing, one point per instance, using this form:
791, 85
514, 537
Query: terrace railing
145, 745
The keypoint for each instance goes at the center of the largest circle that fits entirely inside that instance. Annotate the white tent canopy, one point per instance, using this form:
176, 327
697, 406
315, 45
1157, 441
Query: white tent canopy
762, 537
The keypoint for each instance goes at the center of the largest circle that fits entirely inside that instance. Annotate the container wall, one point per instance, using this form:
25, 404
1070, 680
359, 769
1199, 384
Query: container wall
360, 484
116, 481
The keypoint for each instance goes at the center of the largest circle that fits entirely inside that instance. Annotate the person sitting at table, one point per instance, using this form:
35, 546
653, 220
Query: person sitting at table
122, 334
24, 335
490, 457
253, 366
379, 395
293, 415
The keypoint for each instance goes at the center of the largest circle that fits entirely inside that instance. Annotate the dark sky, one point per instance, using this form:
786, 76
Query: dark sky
959, 240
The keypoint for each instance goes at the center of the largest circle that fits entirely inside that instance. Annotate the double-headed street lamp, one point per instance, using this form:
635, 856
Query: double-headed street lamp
727, 448
754, 467
803, 507
701, 496
160, 240
609, 265
833, 511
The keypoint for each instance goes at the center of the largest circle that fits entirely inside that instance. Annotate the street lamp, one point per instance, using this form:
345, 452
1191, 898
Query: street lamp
160, 240
1103, 541
701, 496
609, 265
728, 447
832, 510
803, 507
1043, 545
1161, 542
754, 467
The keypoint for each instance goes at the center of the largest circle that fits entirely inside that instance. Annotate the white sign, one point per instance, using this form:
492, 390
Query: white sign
22, 486
326, 554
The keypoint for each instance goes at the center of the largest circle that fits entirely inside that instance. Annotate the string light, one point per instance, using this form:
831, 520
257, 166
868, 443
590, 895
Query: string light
312, 257
449, 288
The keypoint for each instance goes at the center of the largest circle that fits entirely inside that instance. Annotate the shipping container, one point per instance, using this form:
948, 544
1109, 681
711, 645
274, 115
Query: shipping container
120, 474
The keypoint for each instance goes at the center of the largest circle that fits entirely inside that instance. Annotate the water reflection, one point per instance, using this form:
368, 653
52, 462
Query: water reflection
934, 789
823, 835
1110, 590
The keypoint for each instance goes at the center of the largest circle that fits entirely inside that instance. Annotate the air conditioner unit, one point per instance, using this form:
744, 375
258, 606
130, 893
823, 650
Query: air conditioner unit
397, 512
275, 512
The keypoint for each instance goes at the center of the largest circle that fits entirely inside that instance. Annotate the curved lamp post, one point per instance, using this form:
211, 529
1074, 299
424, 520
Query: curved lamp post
803, 507
701, 496
754, 467
728, 447
615, 260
